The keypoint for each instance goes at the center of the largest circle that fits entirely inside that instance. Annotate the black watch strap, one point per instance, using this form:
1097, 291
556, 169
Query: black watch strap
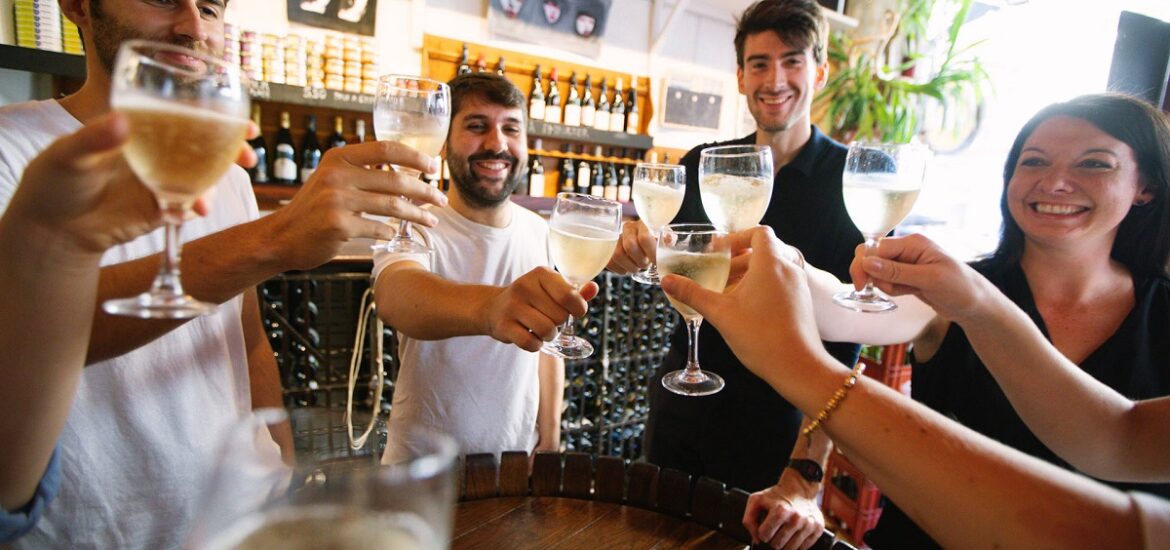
810, 470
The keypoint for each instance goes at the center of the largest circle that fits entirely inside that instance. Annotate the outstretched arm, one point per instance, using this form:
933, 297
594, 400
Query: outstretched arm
937, 469
1087, 423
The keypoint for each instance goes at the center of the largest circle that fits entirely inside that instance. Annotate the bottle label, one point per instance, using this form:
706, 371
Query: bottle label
583, 179
623, 193
536, 110
536, 185
284, 168
572, 115
632, 123
611, 192
587, 114
597, 191
601, 121
552, 113
617, 122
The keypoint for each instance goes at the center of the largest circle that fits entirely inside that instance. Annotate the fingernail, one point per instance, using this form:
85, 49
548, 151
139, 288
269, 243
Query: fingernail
876, 264
433, 167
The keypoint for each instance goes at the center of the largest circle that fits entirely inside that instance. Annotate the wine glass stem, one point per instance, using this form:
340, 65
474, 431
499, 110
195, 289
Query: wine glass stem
693, 345
404, 230
167, 281
652, 271
870, 249
568, 331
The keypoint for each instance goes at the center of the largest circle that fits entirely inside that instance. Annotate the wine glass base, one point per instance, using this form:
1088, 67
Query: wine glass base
568, 347
647, 278
159, 306
693, 384
874, 303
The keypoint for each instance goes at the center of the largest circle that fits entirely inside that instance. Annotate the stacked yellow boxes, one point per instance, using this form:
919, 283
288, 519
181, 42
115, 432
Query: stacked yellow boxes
369, 66
352, 56
231, 43
251, 60
272, 57
70, 37
38, 24
294, 59
315, 62
334, 63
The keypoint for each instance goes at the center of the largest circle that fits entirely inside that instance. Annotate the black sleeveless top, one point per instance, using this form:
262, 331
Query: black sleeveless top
1135, 361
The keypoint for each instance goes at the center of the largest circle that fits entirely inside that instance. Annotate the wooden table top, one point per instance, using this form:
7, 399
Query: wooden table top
569, 523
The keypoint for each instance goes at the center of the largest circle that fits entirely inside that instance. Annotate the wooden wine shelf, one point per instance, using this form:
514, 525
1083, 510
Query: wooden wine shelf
314, 97
550, 130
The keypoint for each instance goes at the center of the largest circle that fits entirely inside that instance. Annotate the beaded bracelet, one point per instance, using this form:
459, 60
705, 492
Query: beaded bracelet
838, 397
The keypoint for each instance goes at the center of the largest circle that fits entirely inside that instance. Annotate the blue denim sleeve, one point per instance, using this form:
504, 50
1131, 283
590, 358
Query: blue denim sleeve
16, 523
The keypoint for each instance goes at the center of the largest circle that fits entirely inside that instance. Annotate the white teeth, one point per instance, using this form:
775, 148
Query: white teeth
1045, 208
774, 101
493, 165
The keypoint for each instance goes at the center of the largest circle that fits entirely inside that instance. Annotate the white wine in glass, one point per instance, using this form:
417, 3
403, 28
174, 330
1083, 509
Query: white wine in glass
658, 195
735, 185
702, 253
583, 231
416, 112
880, 184
188, 115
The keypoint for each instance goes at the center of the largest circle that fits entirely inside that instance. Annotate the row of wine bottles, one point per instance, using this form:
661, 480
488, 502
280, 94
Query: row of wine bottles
614, 113
288, 164
600, 178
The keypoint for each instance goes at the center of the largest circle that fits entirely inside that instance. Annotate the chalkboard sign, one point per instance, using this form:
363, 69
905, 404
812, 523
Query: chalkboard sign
684, 107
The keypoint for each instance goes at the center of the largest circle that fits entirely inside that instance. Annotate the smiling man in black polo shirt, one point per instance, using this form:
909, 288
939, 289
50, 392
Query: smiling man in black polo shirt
743, 434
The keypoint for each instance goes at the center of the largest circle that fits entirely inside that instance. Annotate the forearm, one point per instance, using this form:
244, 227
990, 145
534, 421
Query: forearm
215, 268
264, 375
48, 288
838, 324
552, 401
1087, 423
425, 306
938, 470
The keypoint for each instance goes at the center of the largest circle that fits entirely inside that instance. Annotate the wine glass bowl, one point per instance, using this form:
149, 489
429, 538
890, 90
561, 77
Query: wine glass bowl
583, 231
702, 253
658, 192
880, 185
416, 112
188, 116
735, 185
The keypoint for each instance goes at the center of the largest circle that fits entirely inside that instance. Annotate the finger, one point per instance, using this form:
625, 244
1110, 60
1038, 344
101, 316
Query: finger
253, 130
634, 248
201, 207
589, 290
739, 266
751, 518
387, 152
563, 293
393, 206
890, 272
808, 535
690, 293
100, 136
520, 336
742, 240
389, 183
538, 323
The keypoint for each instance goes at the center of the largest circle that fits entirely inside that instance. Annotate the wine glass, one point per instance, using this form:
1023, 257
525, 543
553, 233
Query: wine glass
702, 253
188, 115
582, 233
735, 184
332, 499
658, 195
880, 184
416, 112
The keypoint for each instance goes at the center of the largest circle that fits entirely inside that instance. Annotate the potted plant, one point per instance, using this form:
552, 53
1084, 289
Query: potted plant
885, 85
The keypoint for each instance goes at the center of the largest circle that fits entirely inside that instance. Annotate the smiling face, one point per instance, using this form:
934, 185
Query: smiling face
486, 151
193, 24
779, 81
1073, 185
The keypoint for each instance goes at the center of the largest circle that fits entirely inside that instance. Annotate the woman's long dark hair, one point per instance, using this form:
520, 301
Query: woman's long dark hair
1142, 243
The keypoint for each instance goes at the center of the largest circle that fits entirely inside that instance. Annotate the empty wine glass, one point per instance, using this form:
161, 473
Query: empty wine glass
658, 194
702, 253
735, 184
416, 112
582, 233
880, 184
188, 115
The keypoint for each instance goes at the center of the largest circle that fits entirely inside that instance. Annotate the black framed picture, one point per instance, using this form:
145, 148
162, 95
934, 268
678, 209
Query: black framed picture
351, 16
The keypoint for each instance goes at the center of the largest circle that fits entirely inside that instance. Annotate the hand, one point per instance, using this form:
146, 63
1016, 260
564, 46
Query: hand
81, 187
529, 311
635, 249
768, 314
790, 520
916, 265
248, 158
326, 212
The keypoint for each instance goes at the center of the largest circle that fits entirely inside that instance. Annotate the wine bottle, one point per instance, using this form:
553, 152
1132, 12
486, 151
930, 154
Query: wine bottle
611, 182
552, 102
310, 149
597, 189
480, 64
588, 108
568, 176
500, 70
632, 119
463, 68
258, 173
625, 185
536, 177
536, 97
584, 175
337, 138
284, 165
601, 118
573, 104
359, 130
617, 111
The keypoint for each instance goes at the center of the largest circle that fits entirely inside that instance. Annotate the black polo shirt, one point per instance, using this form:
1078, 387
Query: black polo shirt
744, 434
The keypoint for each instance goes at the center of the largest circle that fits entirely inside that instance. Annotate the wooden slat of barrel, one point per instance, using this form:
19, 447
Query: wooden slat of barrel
674, 492
578, 477
707, 502
546, 474
642, 485
610, 479
481, 476
731, 515
513, 473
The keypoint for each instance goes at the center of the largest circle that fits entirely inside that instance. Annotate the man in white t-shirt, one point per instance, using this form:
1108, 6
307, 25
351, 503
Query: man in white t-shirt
140, 440
471, 326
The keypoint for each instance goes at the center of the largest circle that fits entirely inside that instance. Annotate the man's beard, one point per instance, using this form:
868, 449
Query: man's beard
109, 34
466, 180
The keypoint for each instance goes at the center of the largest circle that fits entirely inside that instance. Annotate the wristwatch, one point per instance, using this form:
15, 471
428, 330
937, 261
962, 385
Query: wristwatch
810, 470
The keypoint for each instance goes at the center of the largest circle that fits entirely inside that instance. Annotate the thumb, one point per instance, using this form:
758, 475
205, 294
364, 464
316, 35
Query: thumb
99, 136
690, 293
898, 273
589, 290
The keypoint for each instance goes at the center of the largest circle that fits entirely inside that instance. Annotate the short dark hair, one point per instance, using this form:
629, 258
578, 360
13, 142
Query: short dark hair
490, 86
1142, 243
799, 23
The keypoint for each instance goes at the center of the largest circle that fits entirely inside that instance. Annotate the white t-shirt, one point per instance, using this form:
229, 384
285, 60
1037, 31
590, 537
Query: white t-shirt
140, 442
482, 392
1155, 515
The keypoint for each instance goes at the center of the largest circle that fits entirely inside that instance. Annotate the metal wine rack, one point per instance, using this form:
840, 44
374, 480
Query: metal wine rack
311, 319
